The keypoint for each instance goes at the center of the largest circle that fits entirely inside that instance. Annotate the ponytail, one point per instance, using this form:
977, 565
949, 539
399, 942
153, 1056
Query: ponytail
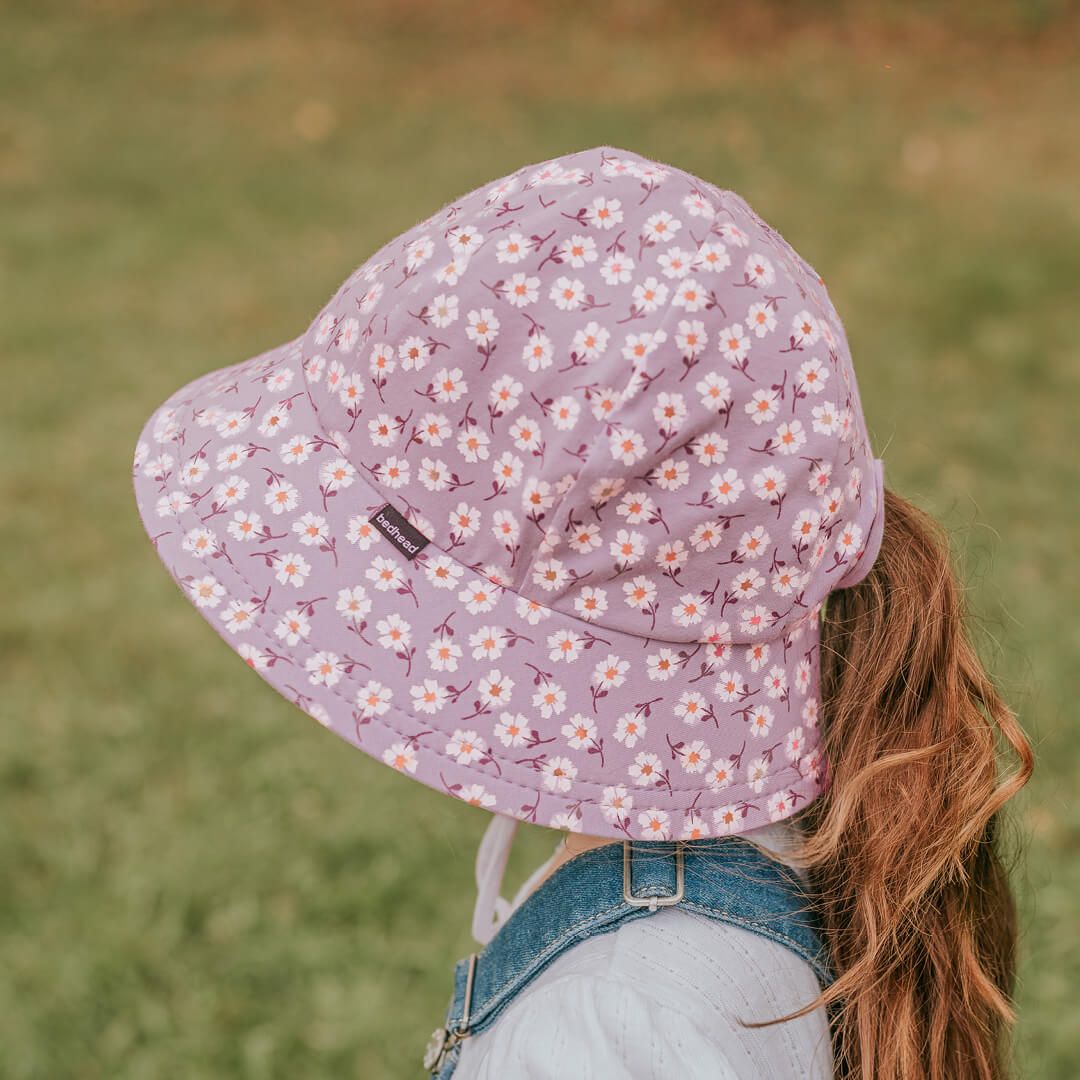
903, 847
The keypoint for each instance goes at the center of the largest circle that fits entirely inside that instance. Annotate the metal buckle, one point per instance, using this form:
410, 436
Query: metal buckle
443, 1041
654, 902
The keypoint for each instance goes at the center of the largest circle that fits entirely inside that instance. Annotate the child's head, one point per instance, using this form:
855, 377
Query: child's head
541, 510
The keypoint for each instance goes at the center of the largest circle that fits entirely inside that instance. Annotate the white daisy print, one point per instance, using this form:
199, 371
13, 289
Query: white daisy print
512, 248
604, 213
646, 770
655, 824
661, 227
401, 756
567, 293
206, 592
444, 310
521, 290
579, 251
579, 732
428, 697
758, 270
558, 772
629, 729
512, 729
615, 803
466, 747
757, 772
292, 569
617, 269
761, 720
323, 668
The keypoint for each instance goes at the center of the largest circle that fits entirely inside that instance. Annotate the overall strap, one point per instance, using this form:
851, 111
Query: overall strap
726, 879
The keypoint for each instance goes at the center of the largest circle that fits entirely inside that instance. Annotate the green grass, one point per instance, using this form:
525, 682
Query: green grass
195, 880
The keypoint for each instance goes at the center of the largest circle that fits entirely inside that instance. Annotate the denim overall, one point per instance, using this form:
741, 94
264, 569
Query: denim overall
725, 879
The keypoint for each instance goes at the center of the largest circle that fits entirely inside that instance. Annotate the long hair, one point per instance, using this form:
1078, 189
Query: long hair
904, 847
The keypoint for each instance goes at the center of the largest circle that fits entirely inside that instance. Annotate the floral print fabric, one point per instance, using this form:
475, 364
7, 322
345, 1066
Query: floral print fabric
622, 411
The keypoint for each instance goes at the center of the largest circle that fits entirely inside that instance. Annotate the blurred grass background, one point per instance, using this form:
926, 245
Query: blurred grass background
192, 883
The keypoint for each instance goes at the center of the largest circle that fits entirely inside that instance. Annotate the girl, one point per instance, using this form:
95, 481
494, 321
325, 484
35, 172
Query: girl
543, 510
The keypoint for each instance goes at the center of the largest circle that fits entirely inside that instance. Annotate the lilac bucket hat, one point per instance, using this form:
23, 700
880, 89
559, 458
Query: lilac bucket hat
542, 508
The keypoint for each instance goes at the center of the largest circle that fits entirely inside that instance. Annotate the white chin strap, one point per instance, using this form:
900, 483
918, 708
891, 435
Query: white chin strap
491, 909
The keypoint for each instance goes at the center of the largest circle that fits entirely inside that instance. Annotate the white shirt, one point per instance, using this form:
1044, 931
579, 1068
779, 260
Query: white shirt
659, 998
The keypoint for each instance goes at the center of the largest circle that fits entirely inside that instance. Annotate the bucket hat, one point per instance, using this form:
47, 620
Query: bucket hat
543, 506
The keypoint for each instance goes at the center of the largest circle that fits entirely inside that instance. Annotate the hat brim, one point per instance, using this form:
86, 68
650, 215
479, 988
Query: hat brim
449, 677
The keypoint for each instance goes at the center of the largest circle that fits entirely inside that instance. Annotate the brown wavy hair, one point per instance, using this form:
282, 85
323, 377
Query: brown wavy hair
904, 848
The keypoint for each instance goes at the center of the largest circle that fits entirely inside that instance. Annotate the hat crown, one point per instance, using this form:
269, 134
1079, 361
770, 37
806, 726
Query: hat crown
613, 388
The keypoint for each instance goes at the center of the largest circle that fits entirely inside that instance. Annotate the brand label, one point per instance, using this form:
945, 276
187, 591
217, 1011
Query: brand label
405, 537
